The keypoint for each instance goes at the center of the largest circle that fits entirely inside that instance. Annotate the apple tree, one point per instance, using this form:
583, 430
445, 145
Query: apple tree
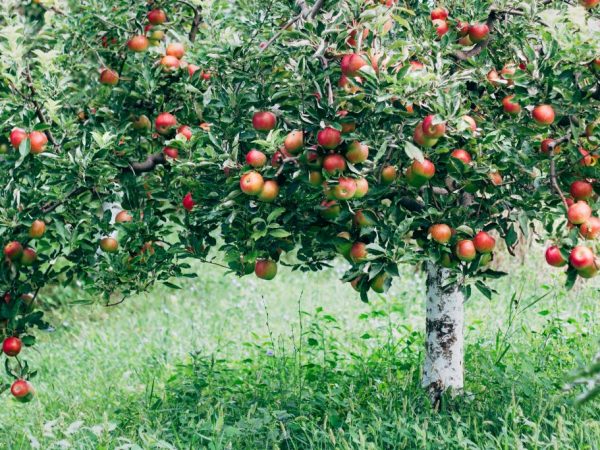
260, 134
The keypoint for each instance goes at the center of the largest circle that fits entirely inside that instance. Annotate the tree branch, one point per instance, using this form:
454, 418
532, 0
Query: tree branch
196, 21
553, 177
148, 165
38, 109
49, 207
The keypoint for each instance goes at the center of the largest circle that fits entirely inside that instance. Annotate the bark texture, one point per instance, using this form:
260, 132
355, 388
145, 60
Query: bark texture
444, 353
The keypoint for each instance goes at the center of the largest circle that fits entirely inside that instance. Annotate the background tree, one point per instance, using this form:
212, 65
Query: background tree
292, 133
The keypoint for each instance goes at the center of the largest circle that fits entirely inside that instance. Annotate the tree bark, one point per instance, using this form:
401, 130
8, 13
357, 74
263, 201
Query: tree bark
444, 344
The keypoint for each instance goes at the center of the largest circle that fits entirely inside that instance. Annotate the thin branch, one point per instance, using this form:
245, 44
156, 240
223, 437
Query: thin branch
196, 21
38, 109
553, 177
49, 207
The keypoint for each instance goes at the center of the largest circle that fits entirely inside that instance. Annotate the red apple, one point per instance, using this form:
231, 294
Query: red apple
345, 189
12, 346
589, 3
579, 212
352, 65
440, 233
510, 70
171, 152
362, 187
192, 69
188, 201
465, 250
108, 76
439, 13
17, 135
330, 209
109, 244
484, 243
425, 169
461, 155
547, 144
478, 32
420, 138
169, 62
329, 138
37, 141
294, 142
28, 257
432, 127
493, 77
269, 192
251, 183
185, 131
264, 121
496, 178
175, 49
389, 174
543, 114
357, 152
358, 252
157, 17
441, 27
123, 217
256, 158
554, 257
511, 107
13, 250
138, 43
581, 257
471, 122
22, 391
462, 28
164, 122
581, 190
590, 229
334, 163
265, 269
37, 229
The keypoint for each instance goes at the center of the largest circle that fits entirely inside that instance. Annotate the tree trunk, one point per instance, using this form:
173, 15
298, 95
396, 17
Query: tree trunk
444, 345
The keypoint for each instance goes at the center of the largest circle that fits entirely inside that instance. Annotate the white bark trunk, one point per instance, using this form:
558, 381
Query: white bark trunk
444, 345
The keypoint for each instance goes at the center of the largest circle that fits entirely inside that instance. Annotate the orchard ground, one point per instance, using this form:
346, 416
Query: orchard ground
216, 365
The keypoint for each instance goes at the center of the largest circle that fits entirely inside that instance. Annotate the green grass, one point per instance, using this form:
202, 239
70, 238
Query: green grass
221, 364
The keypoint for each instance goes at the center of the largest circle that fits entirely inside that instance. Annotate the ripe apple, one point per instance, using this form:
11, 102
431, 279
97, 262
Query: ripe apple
581, 190
588, 272
440, 233
157, 17
357, 152
510, 107
37, 141
484, 243
510, 70
28, 256
378, 283
252, 183
13, 250
589, 3
37, 229
352, 36
123, 217
554, 257
156, 36
264, 121
269, 192
416, 66
12, 346
278, 157
294, 142
439, 13
334, 163
579, 212
345, 189
420, 138
441, 27
256, 158
352, 64
169, 63
361, 220
355, 283
465, 250
543, 114
471, 122
581, 257
171, 152
590, 229
461, 155
494, 78
192, 69
389, 174
330, 209
425, 169
17, 135
164, 122
478, 32
496, 178
185, 131
547, 144
22, 391
432, 127
358, 252
362, 187
265, 269
138, 43
108, 76
188, 201
141, 123
329, 138
175, 49
109, 244
348, 127
462, 28
315, 178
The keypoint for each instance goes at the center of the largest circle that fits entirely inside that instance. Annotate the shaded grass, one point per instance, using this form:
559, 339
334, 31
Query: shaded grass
348, 378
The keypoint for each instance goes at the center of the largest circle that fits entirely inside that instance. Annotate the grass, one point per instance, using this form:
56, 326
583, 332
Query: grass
242, 364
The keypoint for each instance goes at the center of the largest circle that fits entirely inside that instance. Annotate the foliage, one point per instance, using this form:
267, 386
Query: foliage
96, 162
